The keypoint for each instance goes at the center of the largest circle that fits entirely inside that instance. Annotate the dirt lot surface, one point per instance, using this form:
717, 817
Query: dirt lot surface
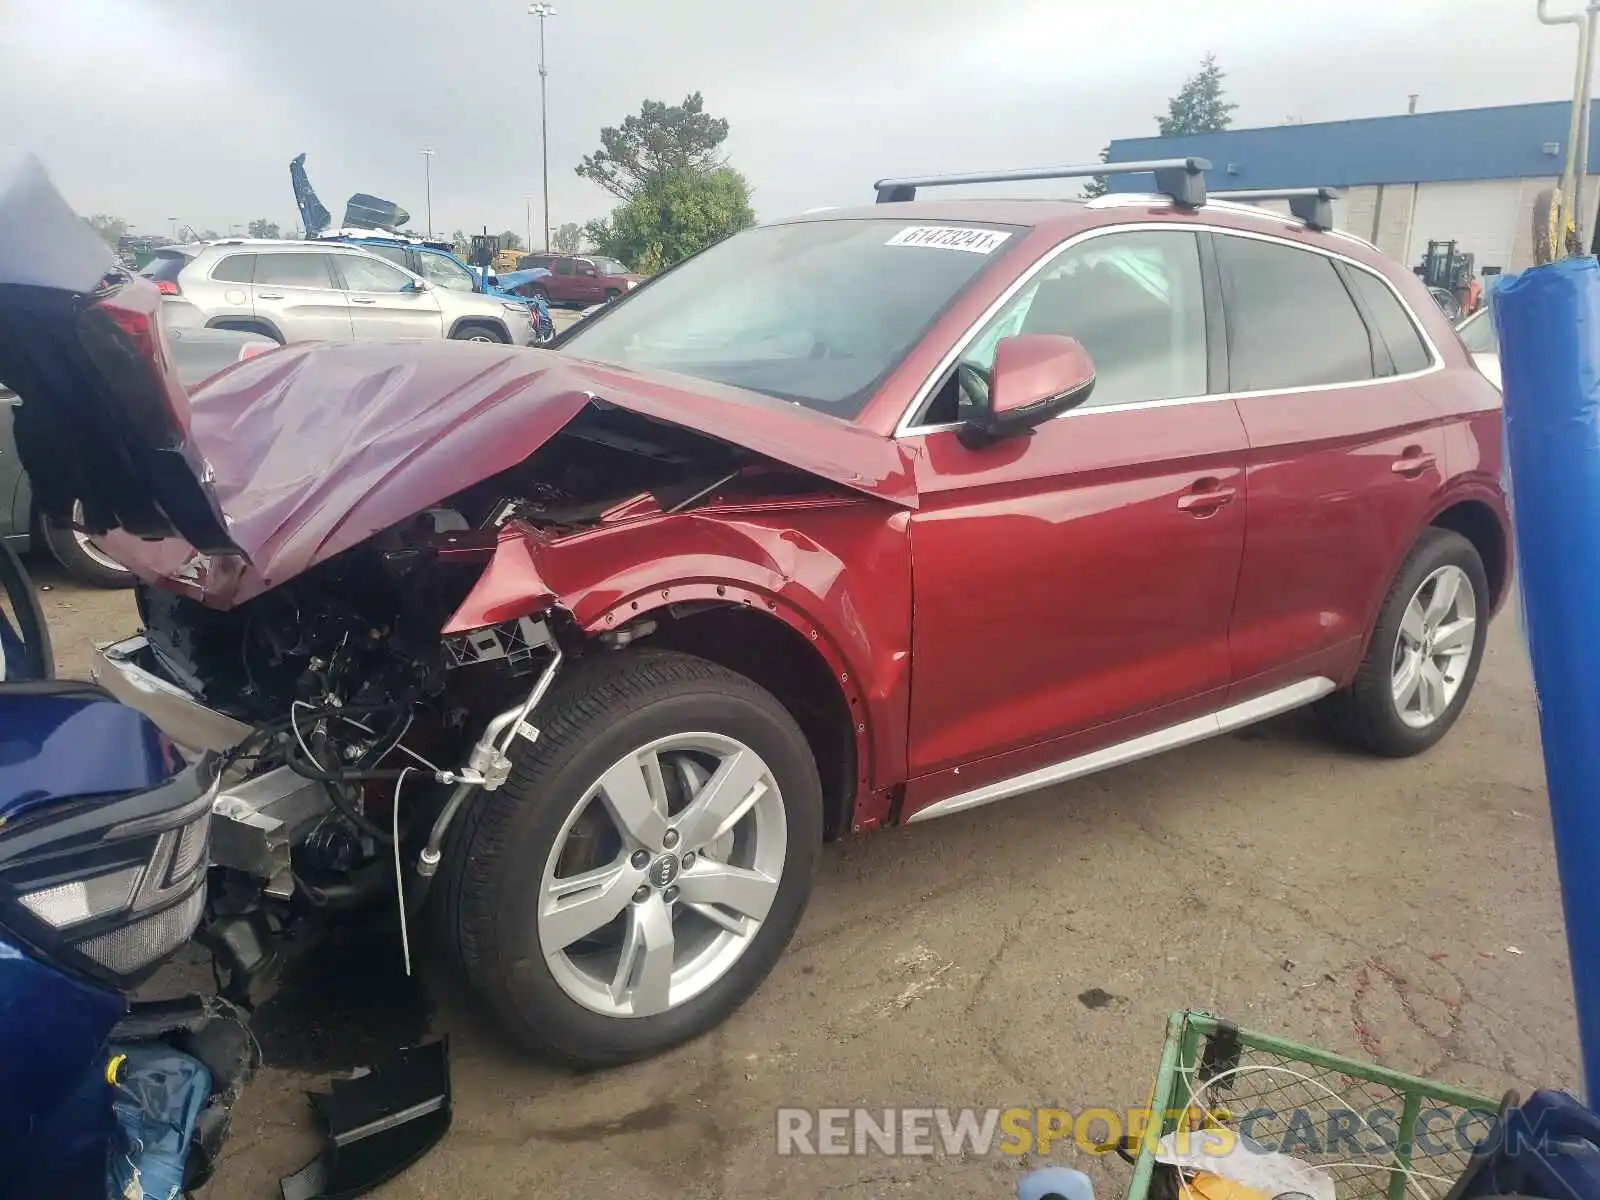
1025, 953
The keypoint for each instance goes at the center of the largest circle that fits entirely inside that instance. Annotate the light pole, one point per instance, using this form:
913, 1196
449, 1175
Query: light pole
543, 10
427, 183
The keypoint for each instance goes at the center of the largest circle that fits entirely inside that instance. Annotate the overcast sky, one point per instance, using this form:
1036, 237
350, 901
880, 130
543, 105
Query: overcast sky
150, 109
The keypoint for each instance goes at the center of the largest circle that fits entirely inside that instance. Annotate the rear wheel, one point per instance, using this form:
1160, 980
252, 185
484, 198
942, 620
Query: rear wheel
80, 557
478, 333
644, 867
1424, 653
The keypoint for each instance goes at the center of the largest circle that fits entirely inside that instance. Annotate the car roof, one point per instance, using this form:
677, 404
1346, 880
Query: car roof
1022, 212
1057, 218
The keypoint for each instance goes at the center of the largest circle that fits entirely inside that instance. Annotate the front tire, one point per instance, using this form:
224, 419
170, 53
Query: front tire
645, 865
1424, 653
479, 333
80, 558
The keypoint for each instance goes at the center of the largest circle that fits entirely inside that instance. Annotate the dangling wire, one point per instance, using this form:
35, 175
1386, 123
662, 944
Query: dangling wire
399, 876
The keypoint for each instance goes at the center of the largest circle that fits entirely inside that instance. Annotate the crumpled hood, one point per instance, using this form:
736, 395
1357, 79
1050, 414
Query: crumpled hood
316, 448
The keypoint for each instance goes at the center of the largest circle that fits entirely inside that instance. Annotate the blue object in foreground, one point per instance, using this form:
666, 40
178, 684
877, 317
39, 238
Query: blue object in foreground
1548, 322
157, 1101
1047, 1183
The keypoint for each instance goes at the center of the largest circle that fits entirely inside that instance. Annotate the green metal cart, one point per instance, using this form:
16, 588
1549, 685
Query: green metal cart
1380, 1134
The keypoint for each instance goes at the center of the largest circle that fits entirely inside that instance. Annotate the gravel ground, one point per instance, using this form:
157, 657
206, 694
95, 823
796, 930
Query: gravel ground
1025, 953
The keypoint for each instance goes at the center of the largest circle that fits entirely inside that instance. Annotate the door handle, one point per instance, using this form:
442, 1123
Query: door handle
1205, 498
359, 300
269, 295
1413, 463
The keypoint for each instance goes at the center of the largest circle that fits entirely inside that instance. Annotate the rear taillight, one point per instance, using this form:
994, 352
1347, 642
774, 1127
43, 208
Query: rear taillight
167, 287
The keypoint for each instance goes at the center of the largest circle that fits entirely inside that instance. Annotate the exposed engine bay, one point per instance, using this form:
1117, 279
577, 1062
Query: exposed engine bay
361, 714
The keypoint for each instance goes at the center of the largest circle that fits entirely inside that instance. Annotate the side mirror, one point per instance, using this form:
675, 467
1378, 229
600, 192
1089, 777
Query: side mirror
415, 285
1036, 376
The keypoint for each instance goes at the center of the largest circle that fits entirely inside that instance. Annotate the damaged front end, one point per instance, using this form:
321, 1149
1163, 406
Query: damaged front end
352, 729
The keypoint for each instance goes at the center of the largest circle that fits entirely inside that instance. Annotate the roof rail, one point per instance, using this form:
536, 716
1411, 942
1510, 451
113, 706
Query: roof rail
1313, 205
1183, 179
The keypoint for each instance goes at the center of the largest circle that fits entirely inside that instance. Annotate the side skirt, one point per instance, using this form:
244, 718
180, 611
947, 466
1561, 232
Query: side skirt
1196, 729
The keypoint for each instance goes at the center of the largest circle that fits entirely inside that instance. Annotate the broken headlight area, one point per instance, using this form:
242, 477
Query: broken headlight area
113, 886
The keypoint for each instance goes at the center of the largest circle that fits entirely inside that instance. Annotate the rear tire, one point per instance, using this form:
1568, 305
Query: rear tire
84, 562
479, 333
1388, 710
496, 901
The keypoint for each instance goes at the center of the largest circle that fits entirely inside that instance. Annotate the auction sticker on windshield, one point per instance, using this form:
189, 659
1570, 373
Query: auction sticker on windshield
949, 237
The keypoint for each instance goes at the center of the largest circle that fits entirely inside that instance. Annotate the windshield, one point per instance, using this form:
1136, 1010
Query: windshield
817, 312
1477, 333
610, 266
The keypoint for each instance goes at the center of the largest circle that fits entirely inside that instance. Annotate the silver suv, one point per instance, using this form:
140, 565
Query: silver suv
307, 291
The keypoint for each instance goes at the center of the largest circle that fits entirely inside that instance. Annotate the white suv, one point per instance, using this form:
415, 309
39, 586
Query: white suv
306, 291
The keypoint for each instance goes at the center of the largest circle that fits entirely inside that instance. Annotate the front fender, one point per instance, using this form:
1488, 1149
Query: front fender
837, 571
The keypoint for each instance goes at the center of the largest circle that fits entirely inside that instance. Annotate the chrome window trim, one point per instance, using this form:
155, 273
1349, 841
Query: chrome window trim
905, 427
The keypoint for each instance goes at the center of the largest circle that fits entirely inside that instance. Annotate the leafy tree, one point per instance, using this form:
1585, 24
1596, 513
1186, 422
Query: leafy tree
109, 228
1198, 107
567, 238
662, 139
263, 228
461, 243
673, 216
510, 240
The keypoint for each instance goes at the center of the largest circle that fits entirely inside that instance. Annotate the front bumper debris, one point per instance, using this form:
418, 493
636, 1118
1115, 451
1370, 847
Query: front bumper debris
124, 669
377, 1124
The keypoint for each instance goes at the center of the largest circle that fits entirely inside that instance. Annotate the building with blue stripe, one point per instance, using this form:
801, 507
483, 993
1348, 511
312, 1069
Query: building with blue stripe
1468, 175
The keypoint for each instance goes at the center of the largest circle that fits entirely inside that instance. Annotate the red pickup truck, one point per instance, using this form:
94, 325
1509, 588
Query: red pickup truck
581, 280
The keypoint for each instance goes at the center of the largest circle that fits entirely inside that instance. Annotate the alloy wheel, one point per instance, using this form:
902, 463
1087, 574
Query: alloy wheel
1433, 650
85, 543
662, 874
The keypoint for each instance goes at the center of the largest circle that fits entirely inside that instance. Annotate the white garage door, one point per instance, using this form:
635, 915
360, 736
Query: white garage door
1481, 218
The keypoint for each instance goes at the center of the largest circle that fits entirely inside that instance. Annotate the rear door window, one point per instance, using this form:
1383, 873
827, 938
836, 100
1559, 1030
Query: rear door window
165, 266
562, 266
1291, 322
1393, 325
235, 268
293, 270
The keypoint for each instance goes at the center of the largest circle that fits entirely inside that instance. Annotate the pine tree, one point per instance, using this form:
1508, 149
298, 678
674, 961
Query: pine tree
1098, 185
1198, 107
